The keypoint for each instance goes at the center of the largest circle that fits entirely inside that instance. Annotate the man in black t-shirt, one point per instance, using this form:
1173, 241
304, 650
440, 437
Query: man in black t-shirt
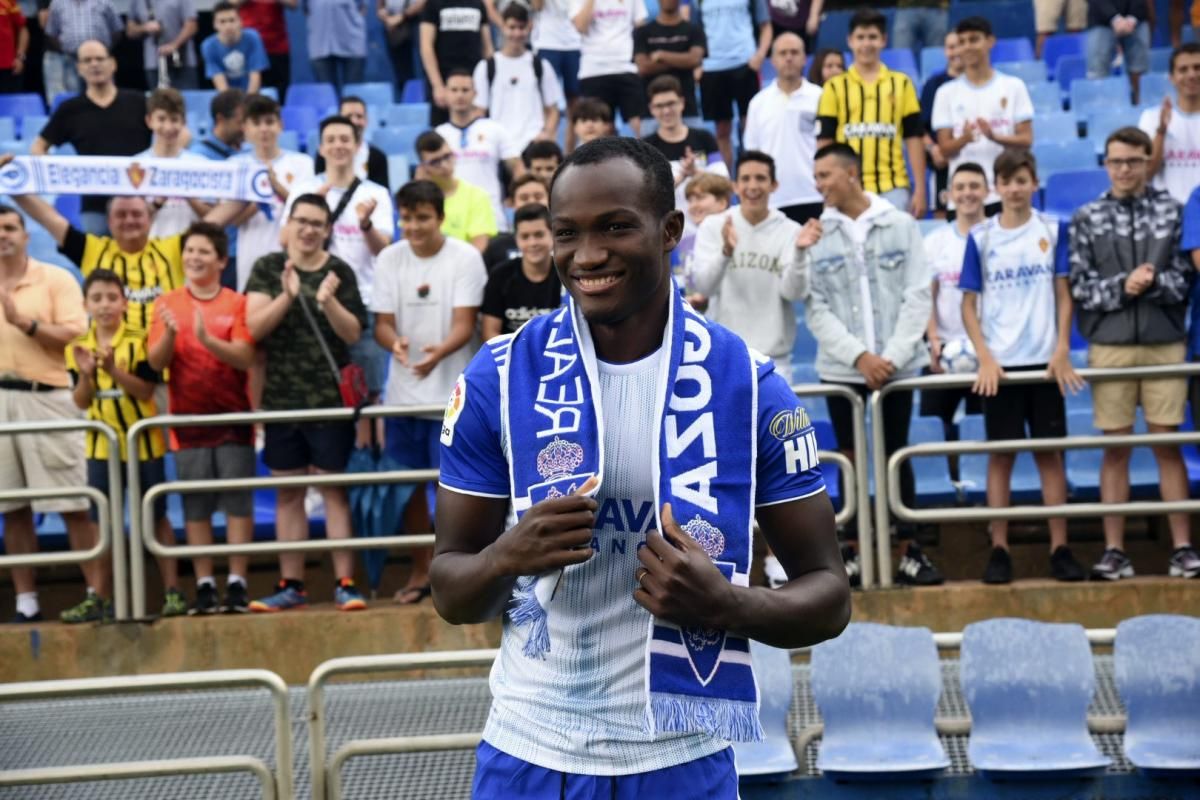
454, 35
103, 121
690, 150
525, 190
670, 45
525, 287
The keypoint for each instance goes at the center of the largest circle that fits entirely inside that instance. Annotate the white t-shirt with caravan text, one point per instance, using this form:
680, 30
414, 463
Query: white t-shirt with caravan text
1003, 102
944, 250
176, 215
479, 148
607, 46
259, 235
514, 99
1180, 172
784, 126
349, 241
422, 293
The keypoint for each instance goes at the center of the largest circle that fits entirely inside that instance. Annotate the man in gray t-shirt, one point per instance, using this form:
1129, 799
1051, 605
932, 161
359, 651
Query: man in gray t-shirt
166, 28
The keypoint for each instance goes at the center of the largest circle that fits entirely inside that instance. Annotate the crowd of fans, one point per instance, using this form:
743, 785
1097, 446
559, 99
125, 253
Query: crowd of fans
234, 306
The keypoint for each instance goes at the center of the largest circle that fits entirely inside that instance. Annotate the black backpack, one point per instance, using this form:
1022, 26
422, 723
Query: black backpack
491, 73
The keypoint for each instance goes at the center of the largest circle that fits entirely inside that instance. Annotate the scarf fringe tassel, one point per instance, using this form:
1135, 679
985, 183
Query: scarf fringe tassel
529, 612
725, 719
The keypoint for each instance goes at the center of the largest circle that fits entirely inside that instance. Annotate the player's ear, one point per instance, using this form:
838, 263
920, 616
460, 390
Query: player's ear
672, 230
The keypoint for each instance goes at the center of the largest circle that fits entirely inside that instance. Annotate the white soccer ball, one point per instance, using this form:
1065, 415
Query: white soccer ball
958, 357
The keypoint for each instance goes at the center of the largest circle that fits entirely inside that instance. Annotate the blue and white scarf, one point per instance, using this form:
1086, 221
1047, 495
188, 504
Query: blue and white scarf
697, 679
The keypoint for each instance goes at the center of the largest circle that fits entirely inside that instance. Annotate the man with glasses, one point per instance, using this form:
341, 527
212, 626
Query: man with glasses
71, 23
1130, 282
691, 151
467, 208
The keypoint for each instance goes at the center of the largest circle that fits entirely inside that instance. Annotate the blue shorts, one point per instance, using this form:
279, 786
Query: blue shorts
566, 65
373, 359
499, 775
150, 473
416, 444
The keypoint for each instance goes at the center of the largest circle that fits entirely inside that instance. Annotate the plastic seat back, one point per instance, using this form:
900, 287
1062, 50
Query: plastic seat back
773, 756
877, 687
21, 105
318, 95
377, 95
1157, 666
1028, 685
1017, 48
1067, 191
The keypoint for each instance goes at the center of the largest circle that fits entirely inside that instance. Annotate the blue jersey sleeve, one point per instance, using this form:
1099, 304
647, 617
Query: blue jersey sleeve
971, 277
1191, 223
788, 468
1062, 250
473, 459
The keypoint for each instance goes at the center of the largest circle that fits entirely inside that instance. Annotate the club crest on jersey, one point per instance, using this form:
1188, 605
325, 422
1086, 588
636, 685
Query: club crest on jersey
556, 463
454, 407
1044, 244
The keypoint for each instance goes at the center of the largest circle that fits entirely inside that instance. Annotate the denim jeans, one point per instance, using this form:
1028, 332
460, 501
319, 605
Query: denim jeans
339, 70
915, 28
60, 75
1102, 46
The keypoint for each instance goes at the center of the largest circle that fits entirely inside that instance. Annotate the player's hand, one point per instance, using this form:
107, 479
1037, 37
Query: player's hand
107, 358
553, 534
875, 369
365, 209
328, 289
987, 380
18, 66
5, 159
1164, 115
729, 237
809, 234
170, 324
687, 164
432, 358
917, 206
1140, 280
400, 350
935, 356
755, 62
938, 157
985, 128
677, 580
290, 280
1063, 372
440, 98
152, 27
698, 301
84, 359
198, 327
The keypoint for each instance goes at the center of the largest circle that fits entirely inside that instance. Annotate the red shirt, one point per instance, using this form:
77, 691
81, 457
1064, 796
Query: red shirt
11, 23
197, 381
266, 17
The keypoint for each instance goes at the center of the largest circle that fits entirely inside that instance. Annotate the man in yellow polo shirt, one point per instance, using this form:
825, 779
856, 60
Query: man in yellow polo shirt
875, 110
41, 310
468, 209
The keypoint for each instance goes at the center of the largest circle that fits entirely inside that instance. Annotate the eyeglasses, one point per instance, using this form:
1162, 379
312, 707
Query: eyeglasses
1126, 163
304, 222
667, 106
438, 160
94, 60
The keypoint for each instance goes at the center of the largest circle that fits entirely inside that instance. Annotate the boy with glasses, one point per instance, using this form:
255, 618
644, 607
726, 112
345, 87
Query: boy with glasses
691, 151
467, 208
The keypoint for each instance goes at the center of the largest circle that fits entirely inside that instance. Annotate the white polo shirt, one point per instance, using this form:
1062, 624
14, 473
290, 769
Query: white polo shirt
784, 126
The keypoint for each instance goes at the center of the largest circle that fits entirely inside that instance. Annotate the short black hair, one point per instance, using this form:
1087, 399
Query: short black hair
1132, 136
842, 151
224, 5
662, 85
417, 193
338, 119
755, 156
541, 148
102, 275
971, 167
1013, 160
258, 106
591, 108
351, 98
5, 210
316, 201
460, 72
429, 142
974, 25
868, 18
515, 11
214, 233
523, 179
531, 212
225, 104
659, 183
1187, 48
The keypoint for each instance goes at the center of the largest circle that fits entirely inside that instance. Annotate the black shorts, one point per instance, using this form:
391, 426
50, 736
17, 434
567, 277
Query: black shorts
719, 91
324, 445
624, 93
1038, 405
944, 402
150, 473
803, 212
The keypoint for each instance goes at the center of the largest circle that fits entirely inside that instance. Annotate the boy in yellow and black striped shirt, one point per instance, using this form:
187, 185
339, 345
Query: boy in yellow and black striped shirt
115, 384
875, 111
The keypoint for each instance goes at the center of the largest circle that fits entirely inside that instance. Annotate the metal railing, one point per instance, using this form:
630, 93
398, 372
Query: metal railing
110, 509
129, 684
885, 489
142, 520
127, 770
326, 781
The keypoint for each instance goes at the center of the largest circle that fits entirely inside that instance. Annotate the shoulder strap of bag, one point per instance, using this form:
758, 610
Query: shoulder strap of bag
316, 329
341, 206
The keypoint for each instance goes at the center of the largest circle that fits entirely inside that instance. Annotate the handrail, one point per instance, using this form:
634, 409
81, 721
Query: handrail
850, 491
879, 457
126, 770
213, 679
392, 746
862, 464
400, 662
137, 519
115, 513
71, 556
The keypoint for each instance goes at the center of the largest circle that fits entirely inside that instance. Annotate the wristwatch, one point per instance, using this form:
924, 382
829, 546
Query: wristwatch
366, 226
32, 329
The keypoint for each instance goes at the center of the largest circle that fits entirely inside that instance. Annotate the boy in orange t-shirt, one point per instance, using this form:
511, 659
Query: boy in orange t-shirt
199, 336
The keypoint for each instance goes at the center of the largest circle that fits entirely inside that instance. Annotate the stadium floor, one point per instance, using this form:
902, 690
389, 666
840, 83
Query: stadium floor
135, 727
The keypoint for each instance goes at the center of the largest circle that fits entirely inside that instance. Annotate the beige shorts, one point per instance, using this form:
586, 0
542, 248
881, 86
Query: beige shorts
1049, 12
1115, 403
41, 460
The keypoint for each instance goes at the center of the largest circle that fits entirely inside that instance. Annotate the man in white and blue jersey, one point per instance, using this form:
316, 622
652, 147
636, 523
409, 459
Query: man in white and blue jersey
574, 723
1016, 267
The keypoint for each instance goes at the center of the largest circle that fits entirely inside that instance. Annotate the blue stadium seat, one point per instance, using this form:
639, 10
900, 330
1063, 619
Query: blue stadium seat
1070, 68
199, 100
900, 61
8, 129
407, 114
399, 140
1103, 121
1154, 87
1009, 18
311, 141
1046, 97
1014, 49
773, 757
318, 95
1028, 685
31, 125
21, 105
414, 92
377, 95
1054, 157
1067, 191
877, 687
933, 61
1026, 483
399, 172
290, 140
270, 91
1156, 662
1160, 59
59, 99
1055, 126
932, 473
1090, 94
1032, 72
1062, 44
70, 206
299, 118
18, 147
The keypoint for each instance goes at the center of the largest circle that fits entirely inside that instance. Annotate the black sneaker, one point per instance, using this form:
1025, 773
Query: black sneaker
206, 600
22, 619
237, 599
999, 567
1113, 566
1184, 563
1064, 567
853, 563
915, 568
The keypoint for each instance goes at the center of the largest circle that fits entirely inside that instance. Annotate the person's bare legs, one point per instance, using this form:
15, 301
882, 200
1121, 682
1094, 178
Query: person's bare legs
20, 539
97, 573
167, 567
416, 520
999, 493
1172, 485
337, 526
239, 530
725, 141
1054, 492
291, 525
199, 532
1114, 488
